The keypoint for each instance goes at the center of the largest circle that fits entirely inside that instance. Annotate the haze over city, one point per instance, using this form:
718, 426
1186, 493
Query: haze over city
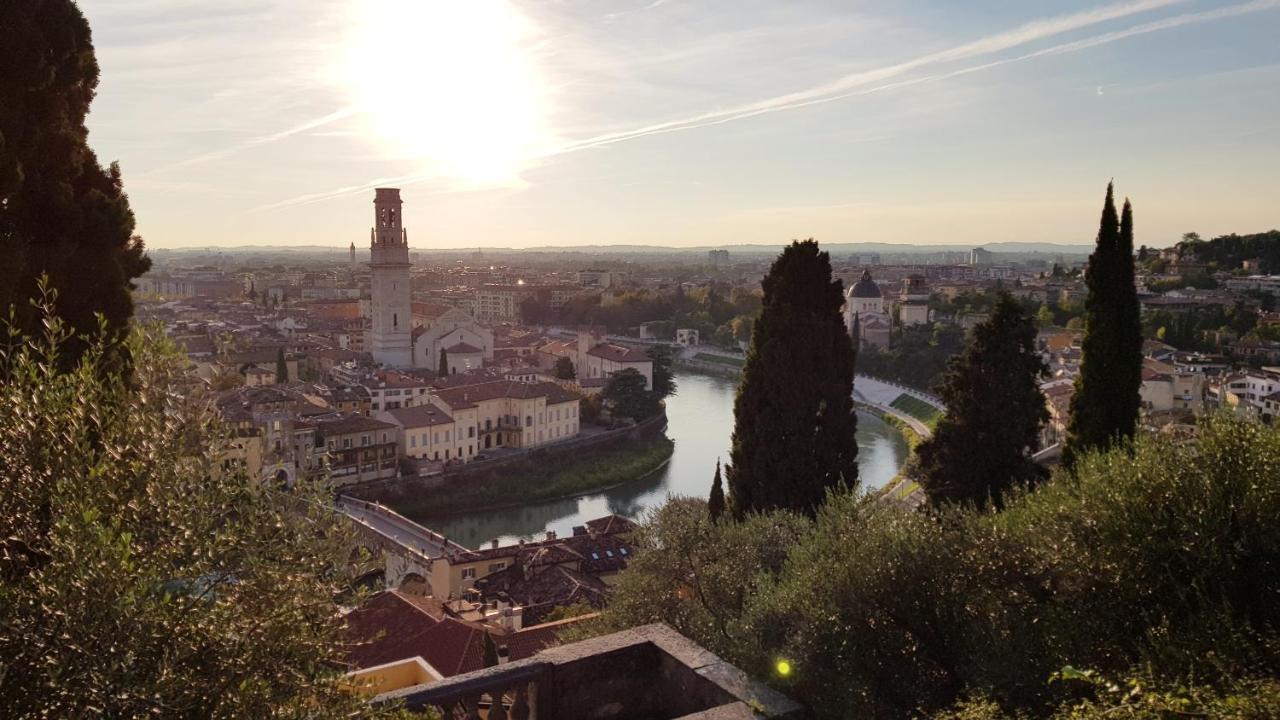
518, 124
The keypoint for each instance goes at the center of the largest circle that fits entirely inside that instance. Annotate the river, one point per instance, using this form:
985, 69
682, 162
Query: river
699, 420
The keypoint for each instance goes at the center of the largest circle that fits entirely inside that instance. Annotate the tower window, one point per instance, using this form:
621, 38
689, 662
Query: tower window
395, 320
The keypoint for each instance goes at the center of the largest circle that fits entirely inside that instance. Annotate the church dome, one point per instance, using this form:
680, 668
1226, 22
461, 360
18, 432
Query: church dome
865, 287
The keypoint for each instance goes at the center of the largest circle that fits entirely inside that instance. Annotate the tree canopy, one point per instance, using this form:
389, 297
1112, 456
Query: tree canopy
794, 434
141, 572
62, 215
1104, 408
981, 447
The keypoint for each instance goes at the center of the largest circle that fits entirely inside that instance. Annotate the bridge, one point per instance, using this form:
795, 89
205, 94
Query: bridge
409, 548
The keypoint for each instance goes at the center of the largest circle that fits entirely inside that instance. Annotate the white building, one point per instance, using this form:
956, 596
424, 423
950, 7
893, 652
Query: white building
390, 340
866, 303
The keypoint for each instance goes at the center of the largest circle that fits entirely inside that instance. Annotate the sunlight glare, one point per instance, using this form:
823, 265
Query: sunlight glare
451, 82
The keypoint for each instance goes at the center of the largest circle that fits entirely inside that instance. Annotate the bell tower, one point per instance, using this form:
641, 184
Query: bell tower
390, 336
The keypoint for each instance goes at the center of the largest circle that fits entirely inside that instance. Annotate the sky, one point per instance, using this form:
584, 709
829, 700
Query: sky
522, 123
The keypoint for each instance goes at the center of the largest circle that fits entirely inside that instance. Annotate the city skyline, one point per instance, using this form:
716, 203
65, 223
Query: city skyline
668, 123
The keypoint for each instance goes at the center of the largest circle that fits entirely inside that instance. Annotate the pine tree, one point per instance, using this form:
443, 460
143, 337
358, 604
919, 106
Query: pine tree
794, 420
716, 503
564, 369
443, 367
994, 412
1104, 408
282, 368
61, 213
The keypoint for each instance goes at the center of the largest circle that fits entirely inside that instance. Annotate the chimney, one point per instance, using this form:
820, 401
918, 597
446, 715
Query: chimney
551, 534
494, 544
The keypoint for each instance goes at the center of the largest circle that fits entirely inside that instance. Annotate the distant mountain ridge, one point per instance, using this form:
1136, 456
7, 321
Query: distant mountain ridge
746, 249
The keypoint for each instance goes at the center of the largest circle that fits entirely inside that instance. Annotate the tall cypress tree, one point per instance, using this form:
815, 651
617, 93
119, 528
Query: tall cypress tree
282, 368
794, 421
442, 368
716, 503
994, 412
1104, 408
61, 213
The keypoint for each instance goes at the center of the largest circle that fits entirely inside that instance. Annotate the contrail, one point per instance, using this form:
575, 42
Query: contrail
255, 142
1021, 35
854, 84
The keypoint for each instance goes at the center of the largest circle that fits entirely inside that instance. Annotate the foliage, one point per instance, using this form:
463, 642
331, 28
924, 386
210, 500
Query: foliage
1187, 330
918, 357
1227, 252
568, 612
1162, 563
664, 380
140, 575
695, 574
982, 446
564, 369
282, 368
490, 652
1104, 407
442, 367
62, 215
626, 395
794, 435
715, 501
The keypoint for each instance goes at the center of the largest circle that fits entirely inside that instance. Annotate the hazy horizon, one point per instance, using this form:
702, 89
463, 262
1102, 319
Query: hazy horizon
517, 124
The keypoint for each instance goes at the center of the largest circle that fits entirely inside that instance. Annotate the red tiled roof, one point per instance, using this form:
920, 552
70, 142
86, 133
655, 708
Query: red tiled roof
426, 309
420, 416
468, 395
393, 626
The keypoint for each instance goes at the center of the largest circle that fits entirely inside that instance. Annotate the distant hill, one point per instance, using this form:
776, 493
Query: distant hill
740, 249
1227, 252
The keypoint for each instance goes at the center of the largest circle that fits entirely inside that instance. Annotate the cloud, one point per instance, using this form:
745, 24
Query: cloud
873, 81
260, 140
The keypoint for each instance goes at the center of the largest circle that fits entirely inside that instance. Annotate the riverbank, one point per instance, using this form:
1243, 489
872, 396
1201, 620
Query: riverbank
595, 472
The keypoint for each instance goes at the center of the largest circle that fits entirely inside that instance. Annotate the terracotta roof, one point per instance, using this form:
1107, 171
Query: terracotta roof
468, 395
610, 524
542, 590
462, 349
426, 309
394, 626
343, 424
618, 353
420, 416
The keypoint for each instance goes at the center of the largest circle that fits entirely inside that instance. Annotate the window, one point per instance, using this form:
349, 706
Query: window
622, 550
497, 567
395, 320
446, 453
528, 420
346, 442
471, 432
413, 441
364, 440
595, 556
609, 553
384, 437
469, 573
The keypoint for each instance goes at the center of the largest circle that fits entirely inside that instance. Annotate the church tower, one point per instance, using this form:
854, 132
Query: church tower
353, 256
389, 338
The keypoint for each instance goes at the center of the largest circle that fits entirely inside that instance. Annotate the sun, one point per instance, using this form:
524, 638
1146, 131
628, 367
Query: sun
453, 83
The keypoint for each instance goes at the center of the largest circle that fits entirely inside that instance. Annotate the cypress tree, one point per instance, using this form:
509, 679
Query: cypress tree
61, 213
1104, 408
282, 368
490, 652
716, 503
994, 413
794, 421
443, 366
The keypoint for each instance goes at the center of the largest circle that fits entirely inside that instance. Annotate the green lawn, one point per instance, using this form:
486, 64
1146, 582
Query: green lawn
917, 408
723, 360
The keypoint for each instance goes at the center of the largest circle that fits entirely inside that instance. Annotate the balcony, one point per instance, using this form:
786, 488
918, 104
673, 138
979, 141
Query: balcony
646, 673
